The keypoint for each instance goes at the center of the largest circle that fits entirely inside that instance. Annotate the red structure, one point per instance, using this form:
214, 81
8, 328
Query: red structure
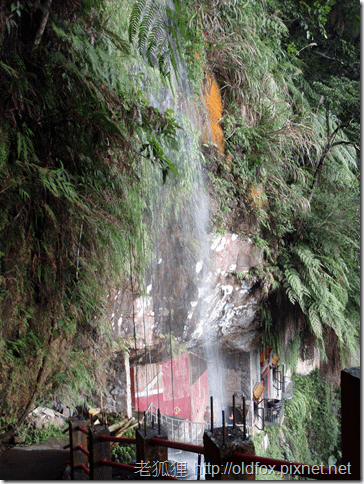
178, 387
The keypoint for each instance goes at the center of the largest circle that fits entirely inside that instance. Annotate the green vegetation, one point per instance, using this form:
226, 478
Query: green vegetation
291, 165
83, 156
311, 428
274, 437
33, 436
74, 128
163, 38
125, 453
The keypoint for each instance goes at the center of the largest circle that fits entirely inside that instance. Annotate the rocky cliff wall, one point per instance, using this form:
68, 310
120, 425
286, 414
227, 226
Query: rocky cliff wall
195, 291
225, 304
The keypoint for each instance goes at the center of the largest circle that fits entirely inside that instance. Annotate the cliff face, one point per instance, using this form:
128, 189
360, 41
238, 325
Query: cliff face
230, 305
224, 304
222, 313
196, 288
89, 152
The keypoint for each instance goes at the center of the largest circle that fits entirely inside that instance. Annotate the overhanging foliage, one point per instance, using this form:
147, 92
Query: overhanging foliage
72, 219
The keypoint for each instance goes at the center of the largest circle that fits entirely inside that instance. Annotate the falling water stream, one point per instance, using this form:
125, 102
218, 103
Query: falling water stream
180, 213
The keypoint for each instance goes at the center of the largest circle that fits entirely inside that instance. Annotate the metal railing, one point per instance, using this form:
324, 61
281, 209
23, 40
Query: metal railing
91, 448
96, 462
180, 430
269, 412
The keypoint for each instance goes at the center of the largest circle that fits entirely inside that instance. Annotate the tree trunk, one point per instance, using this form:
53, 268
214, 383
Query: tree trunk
43, 22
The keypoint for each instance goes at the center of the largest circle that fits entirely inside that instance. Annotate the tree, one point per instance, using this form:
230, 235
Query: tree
324, 38
322, 252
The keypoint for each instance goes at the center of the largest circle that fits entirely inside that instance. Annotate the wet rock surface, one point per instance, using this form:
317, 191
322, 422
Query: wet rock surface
230, 312
115, 397
226, 303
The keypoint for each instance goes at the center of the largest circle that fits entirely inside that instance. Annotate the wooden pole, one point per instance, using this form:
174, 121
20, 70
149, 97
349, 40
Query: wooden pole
77, 457
234, 411
244, 418
148, 452
350, 423
212, 414
223, 428
99, 450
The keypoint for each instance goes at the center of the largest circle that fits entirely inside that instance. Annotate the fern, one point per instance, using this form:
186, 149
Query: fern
299, 408
3, 153
315, 322
296, 290
135, 18
72, 202
321, 297
154, 28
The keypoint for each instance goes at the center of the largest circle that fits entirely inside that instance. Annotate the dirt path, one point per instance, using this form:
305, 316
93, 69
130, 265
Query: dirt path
44, 461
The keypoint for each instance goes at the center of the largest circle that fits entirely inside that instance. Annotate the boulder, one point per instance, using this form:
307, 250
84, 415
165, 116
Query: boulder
43, 417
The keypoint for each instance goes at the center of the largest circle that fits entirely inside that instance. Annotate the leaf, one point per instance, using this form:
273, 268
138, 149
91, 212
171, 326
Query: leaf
51, 214
56, 334
9, 70
155, 29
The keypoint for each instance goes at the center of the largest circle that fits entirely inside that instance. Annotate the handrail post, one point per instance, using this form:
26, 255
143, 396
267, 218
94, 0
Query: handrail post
77, 457
99, 450
149, 453
218, 455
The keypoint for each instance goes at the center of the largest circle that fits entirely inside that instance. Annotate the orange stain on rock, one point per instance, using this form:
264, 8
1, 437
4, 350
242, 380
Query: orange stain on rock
214, 109
257, 196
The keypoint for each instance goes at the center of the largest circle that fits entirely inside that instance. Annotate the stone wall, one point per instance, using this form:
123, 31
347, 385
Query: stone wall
116, 397
237, 374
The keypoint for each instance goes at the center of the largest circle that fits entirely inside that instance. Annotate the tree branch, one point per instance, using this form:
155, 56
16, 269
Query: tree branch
330, 143
43, 22
38, 384
350, 143
328, 57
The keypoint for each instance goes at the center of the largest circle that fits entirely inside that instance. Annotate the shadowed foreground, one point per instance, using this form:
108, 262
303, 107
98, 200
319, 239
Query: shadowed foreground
38, 462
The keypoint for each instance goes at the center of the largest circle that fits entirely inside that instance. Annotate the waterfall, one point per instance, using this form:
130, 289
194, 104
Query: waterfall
178, 282
181, 217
